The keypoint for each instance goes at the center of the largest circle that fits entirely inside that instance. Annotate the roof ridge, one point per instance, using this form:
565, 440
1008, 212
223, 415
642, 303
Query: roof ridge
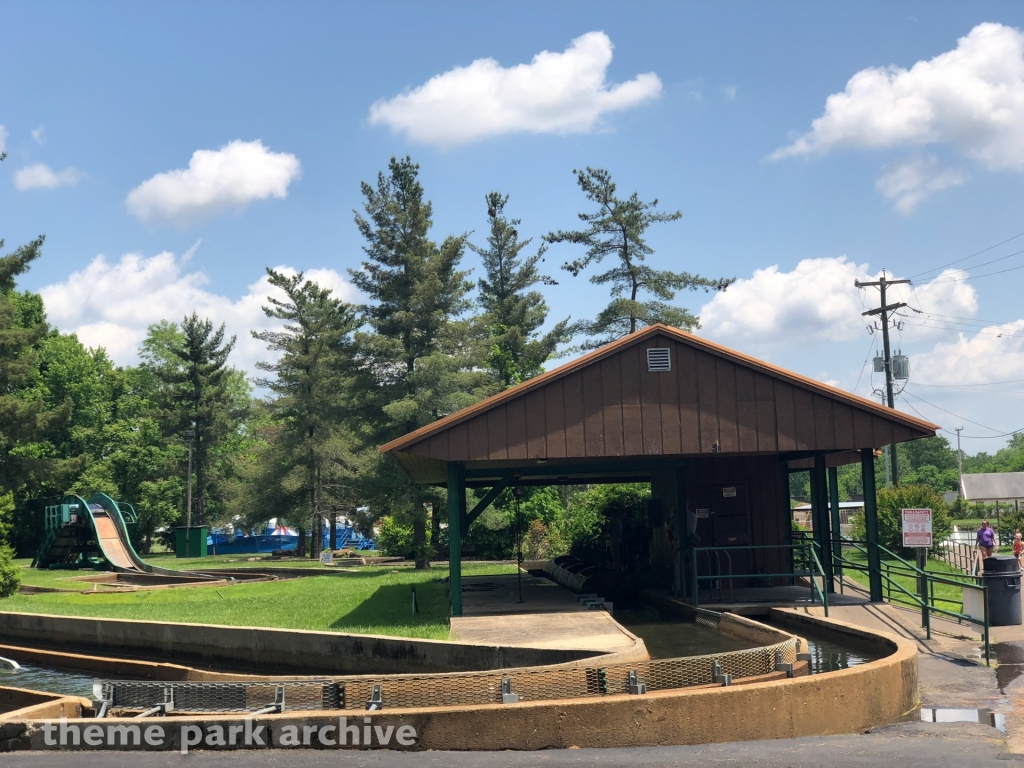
634, 338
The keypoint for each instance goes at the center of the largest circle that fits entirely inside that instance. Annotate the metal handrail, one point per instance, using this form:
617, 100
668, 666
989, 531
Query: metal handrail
926, 601
813, 572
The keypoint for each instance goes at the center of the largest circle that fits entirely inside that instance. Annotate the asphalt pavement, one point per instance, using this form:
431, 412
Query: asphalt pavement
906, 745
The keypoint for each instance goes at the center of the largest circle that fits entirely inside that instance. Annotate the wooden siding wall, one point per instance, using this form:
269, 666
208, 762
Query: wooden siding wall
705, 404
769, 501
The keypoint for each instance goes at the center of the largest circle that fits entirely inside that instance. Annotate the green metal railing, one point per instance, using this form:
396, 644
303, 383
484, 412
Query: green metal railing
802, 555
925, 598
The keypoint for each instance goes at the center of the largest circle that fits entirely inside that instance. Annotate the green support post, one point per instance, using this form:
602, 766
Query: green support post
822, 534
837, 543
456, 511
787, 507
867, 468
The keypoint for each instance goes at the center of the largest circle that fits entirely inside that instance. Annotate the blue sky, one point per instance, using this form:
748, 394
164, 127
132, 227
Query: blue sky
909, 169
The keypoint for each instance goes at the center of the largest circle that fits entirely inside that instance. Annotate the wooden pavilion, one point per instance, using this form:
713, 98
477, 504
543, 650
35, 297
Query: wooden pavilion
715, 432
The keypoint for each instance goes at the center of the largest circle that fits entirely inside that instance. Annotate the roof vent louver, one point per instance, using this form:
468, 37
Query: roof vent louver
658, 360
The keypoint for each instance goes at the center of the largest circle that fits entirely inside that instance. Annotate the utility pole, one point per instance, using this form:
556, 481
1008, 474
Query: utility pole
884, 311
959, 465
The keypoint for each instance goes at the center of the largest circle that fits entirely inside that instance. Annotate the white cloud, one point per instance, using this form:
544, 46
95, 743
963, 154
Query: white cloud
3, 138
42, 176
817, 301
995, 353
39, 134
947, 297
971, 97
557, 93
154, 288
215, 181
908, 182
729, 92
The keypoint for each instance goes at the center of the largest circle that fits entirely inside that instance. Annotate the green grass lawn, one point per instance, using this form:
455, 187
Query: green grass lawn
948, 596
375, 600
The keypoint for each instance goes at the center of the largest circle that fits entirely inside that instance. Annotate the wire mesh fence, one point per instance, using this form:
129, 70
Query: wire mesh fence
540, 684
458, 688
222, 697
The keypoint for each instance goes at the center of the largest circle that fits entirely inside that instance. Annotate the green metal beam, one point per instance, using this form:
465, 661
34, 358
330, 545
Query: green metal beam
867, 468
837, 544
819, 505
485, 502
456, 511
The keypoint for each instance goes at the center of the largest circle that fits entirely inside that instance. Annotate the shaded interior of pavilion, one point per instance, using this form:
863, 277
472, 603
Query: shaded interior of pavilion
715, 433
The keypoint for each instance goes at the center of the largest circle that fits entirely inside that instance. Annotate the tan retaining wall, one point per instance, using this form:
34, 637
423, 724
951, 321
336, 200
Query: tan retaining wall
270, 651
31, 705
846, 701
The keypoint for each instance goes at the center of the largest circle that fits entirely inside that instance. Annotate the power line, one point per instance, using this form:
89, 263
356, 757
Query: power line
975, 276
949, 432
992, 261
977, 319
871, 346
956, 415
965, 258
975, 328
985, 384
1002, 391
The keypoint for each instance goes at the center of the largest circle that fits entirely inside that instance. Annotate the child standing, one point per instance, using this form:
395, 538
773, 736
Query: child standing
1018, 547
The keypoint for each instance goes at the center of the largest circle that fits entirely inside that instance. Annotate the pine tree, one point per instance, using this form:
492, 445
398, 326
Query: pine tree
197, 393
312, 387
419, 360
617, 228
28, 464
513, 314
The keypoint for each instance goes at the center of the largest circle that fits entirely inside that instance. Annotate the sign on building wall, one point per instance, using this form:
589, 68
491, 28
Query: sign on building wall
917, 527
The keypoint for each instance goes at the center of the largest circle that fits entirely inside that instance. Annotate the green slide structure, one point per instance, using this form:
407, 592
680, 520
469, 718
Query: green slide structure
94, 534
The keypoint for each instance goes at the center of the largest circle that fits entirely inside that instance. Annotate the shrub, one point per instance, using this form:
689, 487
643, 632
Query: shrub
10, 573
395, 539
536, 541
582, 528
892, 502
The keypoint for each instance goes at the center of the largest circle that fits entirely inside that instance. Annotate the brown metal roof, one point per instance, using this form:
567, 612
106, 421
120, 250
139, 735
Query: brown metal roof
607, 404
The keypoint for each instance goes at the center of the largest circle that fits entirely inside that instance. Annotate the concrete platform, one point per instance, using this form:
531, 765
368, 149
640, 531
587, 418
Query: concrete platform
499, 595
549, 617
776, 597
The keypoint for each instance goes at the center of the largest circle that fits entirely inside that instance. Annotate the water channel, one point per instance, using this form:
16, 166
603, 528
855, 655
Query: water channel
51, 680
665, 635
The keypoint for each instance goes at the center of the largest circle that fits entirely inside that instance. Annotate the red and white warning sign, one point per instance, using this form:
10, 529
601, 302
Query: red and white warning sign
917, 527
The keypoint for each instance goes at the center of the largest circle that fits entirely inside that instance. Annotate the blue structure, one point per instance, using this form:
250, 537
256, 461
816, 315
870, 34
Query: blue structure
280, 539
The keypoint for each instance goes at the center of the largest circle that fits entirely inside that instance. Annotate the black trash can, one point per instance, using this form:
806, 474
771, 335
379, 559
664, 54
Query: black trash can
1002, 577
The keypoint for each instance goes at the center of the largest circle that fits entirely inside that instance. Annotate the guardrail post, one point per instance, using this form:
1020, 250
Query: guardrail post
867, 468
984, 597
922, 586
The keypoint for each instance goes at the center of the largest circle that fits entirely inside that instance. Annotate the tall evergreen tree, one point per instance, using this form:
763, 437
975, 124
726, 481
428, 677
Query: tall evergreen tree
513, 313
29, 465
197, 392
617, 228
419, 359
312, 385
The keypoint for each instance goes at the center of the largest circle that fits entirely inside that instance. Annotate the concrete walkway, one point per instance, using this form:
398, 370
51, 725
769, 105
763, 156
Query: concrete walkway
548, 617
951, 666
907, 745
